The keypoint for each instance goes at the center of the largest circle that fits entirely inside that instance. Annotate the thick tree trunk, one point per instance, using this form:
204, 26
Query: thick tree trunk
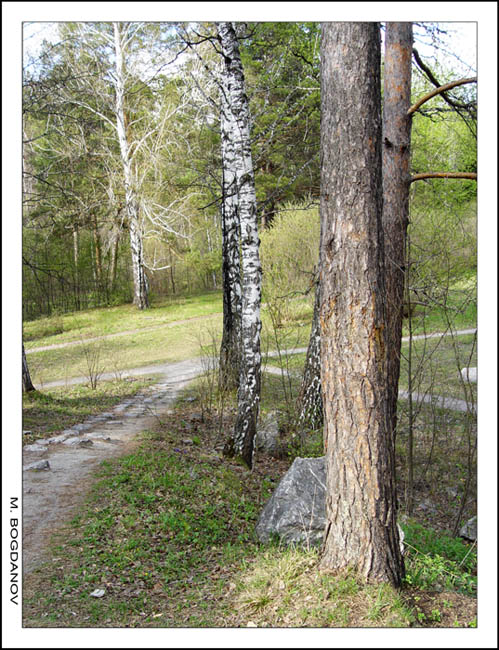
242, 442
361, 530
311, 414
140, 298
230, 350
396, 182
27, 383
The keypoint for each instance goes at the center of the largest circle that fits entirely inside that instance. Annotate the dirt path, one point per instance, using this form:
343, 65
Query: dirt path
51, 495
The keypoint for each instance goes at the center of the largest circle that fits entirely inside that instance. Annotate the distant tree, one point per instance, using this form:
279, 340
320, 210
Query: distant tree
361, 529
27, 383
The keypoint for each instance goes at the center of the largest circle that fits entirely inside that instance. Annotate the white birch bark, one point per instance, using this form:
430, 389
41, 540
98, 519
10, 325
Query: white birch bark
311, 414
140, 298
230, 350
249, 382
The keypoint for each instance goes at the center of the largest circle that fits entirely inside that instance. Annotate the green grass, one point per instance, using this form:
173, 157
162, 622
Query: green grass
168, 532
436, 561
111, 320
162, 530
55, 409
162, 345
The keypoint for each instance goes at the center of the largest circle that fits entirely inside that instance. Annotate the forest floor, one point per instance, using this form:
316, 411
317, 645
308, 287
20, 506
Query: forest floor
53, 496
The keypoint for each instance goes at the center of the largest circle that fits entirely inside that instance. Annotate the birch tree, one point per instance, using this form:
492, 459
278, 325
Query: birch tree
361, 531
140, 298
230, 350
310, 408
237, 130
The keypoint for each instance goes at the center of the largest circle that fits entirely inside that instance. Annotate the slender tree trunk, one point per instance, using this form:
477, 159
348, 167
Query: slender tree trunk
114, 258
396, 183
311, 414
242, 442
230, 350
27, 383
76, 252
98, 251
361, 530
140, 298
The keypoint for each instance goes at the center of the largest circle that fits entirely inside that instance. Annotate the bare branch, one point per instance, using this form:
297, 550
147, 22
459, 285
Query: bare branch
461, 175
438, 91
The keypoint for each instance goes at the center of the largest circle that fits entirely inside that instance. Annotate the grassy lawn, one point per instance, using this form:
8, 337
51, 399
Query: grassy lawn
111, 320
162, 345
168, 533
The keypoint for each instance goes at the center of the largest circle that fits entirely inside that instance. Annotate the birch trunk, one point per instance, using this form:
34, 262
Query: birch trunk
140, 298
311, 413
230, 350
242, 442
396, 183
361, 531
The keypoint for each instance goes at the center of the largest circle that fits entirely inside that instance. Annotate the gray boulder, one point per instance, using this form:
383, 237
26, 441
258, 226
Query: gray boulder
469, 530
296, 510
267, 439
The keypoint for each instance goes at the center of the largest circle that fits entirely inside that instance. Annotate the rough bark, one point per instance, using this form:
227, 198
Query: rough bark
361, 531
230, 350
242, 442
27, 383
140, 298
311, 414
396, 183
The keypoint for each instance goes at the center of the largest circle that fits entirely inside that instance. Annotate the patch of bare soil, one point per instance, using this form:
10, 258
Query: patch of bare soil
441, 609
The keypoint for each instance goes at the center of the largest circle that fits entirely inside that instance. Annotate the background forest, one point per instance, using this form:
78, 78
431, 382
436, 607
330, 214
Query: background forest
76, 229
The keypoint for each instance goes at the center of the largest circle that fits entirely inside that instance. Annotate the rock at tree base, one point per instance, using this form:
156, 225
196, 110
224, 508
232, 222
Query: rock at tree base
468, 531
296, 510
39, 465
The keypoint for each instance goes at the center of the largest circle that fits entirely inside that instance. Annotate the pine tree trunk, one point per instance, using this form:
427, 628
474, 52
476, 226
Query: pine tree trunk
27, 383
361, 531
140, 298
230, 350
242, 443
396, 182
311, 414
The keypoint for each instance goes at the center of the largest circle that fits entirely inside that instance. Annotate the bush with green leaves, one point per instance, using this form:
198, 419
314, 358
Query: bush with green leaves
289, 252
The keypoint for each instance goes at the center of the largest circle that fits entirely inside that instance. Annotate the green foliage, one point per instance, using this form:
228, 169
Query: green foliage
289, 252
438, 561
